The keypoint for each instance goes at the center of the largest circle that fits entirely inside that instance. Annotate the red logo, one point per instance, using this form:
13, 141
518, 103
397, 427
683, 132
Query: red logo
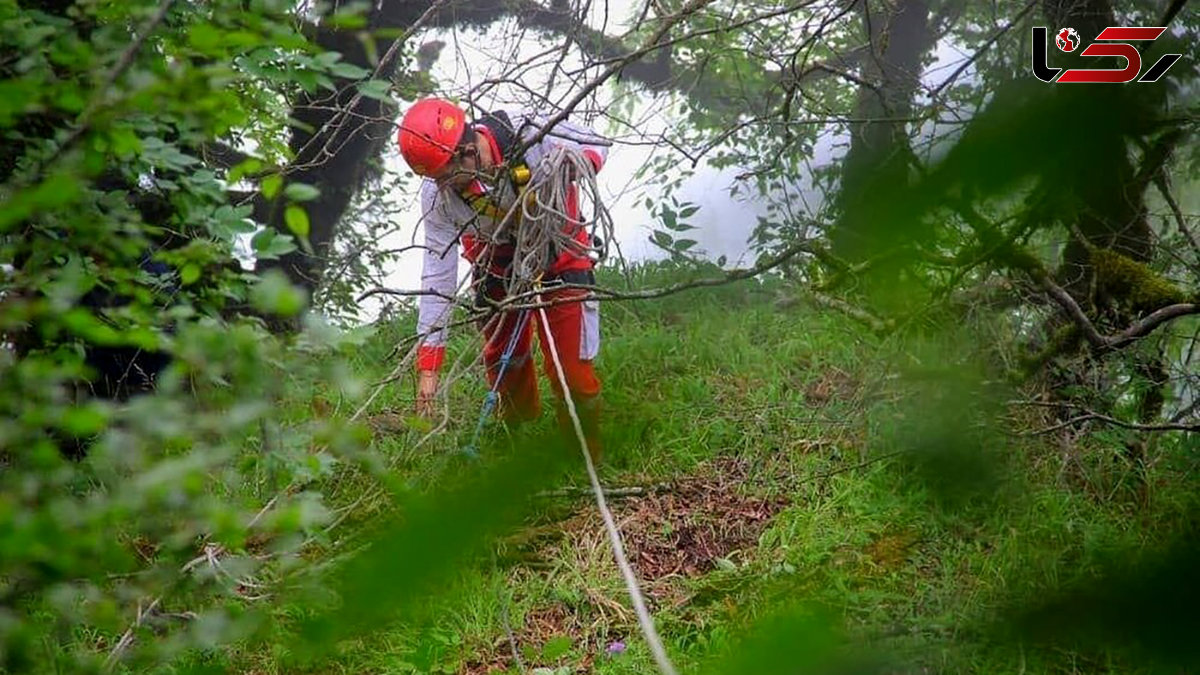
1067, 39
1106, 44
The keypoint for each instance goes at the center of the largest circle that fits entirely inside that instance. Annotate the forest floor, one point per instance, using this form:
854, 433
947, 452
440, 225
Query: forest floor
796, 491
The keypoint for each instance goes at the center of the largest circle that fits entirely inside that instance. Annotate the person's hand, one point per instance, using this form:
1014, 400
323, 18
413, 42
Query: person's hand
427, 383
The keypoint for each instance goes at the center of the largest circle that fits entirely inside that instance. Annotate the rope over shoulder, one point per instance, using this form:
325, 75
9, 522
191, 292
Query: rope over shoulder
545, 224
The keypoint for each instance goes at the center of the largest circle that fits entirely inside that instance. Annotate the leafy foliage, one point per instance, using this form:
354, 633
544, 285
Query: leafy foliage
145, 513
143, 145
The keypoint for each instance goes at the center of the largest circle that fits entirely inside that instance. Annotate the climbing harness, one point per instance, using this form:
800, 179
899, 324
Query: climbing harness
483, 203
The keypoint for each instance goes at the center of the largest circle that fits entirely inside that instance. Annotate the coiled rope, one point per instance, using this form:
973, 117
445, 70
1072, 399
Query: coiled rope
545, 225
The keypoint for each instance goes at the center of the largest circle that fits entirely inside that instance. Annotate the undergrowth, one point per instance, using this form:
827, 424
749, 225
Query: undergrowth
886, 491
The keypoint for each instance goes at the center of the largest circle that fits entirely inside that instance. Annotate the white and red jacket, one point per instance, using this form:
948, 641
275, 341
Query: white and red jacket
444, 214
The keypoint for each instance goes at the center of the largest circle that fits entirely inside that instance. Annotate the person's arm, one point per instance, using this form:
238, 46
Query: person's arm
439, 278
565, 133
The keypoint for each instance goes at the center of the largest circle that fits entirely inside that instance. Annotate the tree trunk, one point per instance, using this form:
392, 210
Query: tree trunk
1109, 205
1104, 199
879, 156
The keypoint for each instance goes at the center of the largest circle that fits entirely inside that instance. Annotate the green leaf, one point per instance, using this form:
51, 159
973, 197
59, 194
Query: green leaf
270, 185
348, 17
189, 274
556, 647
240, 225
242, 39
55, 191
269, 244
661, 238
376, 89
87, 326
84, 420
144, 338
297, 220
204, 37
367, 40
166, 155
124, 142
684, 244
251, 165
274, 294
301, 192
308, 80
668, 218
326, 59
348, 71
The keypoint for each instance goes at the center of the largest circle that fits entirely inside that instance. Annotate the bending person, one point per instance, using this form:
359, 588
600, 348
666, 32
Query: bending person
472, 174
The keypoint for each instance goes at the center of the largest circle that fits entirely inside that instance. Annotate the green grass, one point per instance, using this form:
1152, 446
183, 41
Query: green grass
915, 519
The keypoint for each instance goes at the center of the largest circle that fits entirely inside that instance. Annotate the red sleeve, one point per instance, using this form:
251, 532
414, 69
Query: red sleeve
597, 160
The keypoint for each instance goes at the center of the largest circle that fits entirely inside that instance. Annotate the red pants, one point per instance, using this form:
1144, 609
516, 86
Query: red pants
576, 333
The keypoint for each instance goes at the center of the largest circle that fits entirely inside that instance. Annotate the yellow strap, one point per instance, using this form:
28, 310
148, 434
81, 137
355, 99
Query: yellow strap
482, 205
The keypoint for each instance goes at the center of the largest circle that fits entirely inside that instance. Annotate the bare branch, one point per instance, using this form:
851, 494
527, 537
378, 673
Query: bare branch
986, 46
652, 43
599, 293
1134, 332
1089, 415
874, 323
1160, 181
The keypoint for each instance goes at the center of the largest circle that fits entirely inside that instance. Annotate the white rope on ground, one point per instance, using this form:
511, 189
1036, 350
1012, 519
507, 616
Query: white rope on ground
645, 621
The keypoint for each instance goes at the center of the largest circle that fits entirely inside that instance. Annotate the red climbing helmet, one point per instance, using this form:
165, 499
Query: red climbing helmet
429, 134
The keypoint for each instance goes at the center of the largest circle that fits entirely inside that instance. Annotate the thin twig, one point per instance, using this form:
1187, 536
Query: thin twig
600, 293
508, 631
629, 491
127, 636
986, 45
1088, 415
651, 44
1160, 181
330, 129
1132, 333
